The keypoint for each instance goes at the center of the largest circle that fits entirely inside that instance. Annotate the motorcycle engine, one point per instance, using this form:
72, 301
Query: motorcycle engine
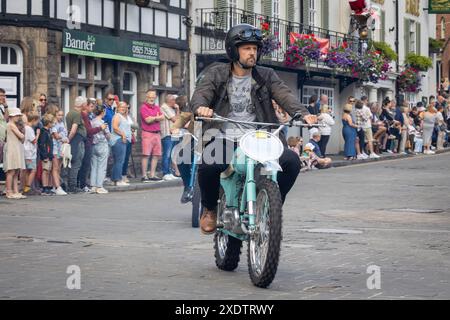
231, 220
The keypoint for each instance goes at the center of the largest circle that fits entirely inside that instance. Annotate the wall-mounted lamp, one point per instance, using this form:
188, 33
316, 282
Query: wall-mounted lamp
187, 21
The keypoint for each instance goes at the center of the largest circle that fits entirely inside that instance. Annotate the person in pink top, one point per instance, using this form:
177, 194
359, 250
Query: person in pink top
151, 116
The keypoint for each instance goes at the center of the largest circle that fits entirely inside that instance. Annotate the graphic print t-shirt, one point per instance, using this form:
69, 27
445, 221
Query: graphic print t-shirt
241, 105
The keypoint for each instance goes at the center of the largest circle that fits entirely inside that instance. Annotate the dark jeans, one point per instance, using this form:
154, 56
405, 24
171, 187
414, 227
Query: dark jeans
85, 166
209, 177
127, 159
77, 149
323, 144
361, 136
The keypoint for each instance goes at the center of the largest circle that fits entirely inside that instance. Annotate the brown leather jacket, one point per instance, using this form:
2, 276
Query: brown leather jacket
211, 91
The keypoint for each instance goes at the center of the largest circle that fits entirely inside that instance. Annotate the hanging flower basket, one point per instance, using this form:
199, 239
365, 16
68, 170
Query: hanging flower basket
409, 80
371, 67
302, 51
340, 58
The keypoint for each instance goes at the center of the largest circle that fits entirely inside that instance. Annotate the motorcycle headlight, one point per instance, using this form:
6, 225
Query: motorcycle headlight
261, 146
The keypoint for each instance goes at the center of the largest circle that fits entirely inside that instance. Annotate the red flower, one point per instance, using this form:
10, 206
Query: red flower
265, 26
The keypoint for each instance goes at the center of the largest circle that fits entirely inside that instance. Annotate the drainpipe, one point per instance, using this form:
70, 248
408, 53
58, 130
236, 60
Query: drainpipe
397, 67
116, 81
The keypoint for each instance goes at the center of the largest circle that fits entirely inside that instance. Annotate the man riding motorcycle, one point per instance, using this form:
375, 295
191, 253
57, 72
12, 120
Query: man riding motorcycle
242, 91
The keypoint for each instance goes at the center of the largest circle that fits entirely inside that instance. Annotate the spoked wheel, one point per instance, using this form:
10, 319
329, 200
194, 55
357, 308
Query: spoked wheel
196, 205
264, 247
227, 248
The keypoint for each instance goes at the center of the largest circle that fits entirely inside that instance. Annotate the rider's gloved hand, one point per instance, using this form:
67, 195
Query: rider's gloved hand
205, 112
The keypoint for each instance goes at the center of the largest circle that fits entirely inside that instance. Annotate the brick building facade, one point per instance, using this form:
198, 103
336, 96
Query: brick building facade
443, 33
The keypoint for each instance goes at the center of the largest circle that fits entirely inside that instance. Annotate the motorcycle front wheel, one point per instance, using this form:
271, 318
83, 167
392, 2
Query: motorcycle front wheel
264, 246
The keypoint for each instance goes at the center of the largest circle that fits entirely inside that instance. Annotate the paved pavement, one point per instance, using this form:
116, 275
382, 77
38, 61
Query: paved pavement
337, 223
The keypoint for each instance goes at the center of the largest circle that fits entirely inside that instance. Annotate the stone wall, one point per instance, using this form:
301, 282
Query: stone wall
33, 42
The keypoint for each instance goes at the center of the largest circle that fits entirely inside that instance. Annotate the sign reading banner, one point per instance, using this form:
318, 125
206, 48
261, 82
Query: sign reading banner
439, 6
86, 44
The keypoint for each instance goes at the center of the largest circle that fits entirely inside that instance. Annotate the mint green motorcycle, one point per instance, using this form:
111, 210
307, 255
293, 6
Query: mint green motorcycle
250, 206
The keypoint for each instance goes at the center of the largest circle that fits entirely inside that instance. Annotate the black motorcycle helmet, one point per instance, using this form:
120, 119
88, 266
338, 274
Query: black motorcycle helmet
242, 34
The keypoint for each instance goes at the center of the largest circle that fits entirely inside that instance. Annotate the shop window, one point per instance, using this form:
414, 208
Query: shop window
169, 76
64, 103
129, 91
98, 93
81, 68
155, 76
65, 66
82, 91
97, 69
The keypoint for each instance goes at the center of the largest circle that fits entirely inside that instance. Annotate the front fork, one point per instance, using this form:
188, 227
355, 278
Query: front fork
250, 194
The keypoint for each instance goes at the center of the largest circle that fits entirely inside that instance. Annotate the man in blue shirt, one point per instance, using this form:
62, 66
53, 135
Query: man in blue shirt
322, 162
109, 112
315, 138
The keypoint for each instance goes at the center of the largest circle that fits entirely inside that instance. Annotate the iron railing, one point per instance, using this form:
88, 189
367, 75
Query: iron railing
215, 22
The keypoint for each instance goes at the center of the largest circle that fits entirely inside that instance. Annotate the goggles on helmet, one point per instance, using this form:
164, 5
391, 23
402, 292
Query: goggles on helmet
248, 34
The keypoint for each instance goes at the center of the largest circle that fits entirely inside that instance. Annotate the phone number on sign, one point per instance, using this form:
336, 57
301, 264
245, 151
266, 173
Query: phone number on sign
146, 51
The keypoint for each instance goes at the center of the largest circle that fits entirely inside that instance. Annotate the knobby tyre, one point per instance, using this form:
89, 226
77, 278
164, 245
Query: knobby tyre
265, 246
227, 248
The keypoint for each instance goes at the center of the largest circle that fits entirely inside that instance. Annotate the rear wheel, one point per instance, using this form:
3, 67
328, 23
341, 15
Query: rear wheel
264, 246
227, 248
